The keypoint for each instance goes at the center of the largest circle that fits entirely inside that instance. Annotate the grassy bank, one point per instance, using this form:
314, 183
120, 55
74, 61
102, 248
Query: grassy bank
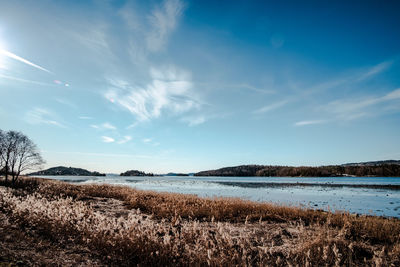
123, 226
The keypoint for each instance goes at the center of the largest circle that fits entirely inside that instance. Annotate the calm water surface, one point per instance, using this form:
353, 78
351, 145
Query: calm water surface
318, 193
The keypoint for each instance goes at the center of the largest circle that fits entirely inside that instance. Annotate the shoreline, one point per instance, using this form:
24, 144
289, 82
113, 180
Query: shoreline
248, 184
118, 225
378, 197
273, 184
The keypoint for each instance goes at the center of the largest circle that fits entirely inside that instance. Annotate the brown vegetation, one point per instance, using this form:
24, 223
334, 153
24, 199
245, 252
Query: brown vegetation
124, 226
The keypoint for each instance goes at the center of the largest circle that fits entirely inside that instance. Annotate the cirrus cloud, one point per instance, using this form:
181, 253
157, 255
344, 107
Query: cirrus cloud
170, 90
310, 122
42, 116
163, 20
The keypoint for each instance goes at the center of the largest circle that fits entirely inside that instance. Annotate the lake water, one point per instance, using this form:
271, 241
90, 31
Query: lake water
332, 193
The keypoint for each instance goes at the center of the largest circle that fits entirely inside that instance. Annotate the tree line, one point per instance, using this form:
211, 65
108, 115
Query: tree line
383, 170
17, 154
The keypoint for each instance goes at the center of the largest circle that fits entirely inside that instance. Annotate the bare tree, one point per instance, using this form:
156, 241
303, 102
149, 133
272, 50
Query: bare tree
7, 144
18, 154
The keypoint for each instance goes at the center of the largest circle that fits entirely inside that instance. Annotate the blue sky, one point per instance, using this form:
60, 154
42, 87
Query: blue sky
186, 86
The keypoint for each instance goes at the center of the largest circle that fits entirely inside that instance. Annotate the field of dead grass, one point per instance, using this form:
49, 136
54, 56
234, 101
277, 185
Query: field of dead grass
122, 226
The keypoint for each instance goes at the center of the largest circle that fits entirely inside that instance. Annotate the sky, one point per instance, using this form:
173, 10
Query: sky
184, 86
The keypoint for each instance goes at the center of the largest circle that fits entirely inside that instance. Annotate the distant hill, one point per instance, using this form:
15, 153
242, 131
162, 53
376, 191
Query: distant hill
135, 173
389, 168
61, 170
243, 170
373, 163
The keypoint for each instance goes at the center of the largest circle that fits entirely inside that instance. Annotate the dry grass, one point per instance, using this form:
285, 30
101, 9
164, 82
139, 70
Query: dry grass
175, 229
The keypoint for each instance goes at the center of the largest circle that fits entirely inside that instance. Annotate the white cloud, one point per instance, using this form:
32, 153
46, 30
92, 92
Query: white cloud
125, 139
24, 80
163, 20
147, 140
375, 70
85, 118
42, 116
351, 79
93, 36
66, 103
193, 121
255, 89
237, 86
311, 122
132, 125
107, 139
108, 126
150, 141
395, 94
104, 126
349, 109
271, 107
169, 89
127, 13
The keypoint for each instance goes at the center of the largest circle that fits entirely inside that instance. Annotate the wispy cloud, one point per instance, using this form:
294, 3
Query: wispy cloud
194, 120
349, 109
170, 89
255, 89
107, 139
132, 125
375, 70
104, 126
93, 36
85, 118
352, 78
42, 116
108, 126
23, 60
125, 139
311, 122
395, 94
163, 20
271, 107
238, 86
66, 103
147, 140
24, 80
150, 141
120, 141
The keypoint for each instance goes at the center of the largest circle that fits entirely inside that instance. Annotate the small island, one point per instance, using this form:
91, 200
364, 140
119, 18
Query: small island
136, 173
61, 170
176, 174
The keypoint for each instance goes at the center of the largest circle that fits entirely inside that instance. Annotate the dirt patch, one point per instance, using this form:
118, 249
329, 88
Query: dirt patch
108, 206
